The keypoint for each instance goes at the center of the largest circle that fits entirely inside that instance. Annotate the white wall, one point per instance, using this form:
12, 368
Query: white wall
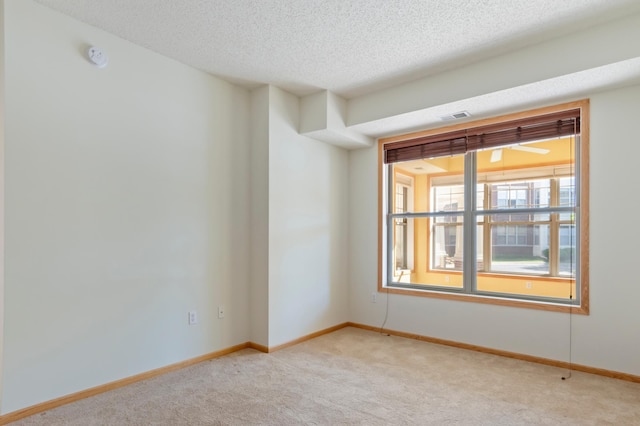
127, 194
259, 294
308, 239
2, 91
299, 238
608, 338
147, 189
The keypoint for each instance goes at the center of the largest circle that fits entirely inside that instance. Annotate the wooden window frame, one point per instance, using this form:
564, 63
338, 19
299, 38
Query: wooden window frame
457, 129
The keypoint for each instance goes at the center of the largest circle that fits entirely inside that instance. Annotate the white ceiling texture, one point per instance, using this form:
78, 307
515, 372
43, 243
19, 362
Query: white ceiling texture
349, 47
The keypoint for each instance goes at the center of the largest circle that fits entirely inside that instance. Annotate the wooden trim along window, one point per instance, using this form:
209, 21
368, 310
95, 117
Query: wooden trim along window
498, 210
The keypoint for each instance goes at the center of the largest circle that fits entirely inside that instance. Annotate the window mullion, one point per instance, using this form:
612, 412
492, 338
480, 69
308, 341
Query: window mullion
554, 230
486, 229
469, 224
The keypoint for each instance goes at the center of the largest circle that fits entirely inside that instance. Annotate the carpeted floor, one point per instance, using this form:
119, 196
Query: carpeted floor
358, 377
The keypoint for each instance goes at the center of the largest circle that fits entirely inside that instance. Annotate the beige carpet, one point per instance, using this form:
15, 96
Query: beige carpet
357, 377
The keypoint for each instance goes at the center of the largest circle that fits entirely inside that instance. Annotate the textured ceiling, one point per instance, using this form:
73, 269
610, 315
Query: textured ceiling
350, 47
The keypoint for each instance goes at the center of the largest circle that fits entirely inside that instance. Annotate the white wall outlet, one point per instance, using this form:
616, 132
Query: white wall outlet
193, 317
528, 284
220, 311
374, 297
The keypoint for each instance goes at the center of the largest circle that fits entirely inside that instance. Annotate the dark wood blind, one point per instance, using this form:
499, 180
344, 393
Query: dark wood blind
557, 124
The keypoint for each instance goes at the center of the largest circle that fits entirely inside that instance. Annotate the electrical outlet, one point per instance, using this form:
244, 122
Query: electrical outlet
528, 284
220, 311
193, 317
374, 297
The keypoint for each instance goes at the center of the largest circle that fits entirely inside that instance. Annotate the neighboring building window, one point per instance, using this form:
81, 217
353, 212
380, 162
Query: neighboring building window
493, 210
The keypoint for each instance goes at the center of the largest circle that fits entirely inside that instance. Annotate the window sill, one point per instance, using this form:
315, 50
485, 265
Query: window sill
499, 301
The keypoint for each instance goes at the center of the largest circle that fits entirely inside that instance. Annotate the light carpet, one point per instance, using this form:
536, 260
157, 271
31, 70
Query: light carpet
358, 377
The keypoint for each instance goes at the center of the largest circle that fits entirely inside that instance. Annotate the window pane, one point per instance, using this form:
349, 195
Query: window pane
400, 245
480, 196
567, 197
401, 197
567, 253
567, 192
533, 193
446, 246
446, 179
427, 252
518, 248
448, 198
520, 269
403, 245
403, 191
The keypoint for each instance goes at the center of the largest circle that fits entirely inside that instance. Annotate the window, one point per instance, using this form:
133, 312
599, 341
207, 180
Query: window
492, 211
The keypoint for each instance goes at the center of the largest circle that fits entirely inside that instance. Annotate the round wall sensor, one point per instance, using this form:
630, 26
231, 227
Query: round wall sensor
97, 57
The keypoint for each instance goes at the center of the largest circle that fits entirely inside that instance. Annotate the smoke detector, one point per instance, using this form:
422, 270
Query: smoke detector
97, 57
